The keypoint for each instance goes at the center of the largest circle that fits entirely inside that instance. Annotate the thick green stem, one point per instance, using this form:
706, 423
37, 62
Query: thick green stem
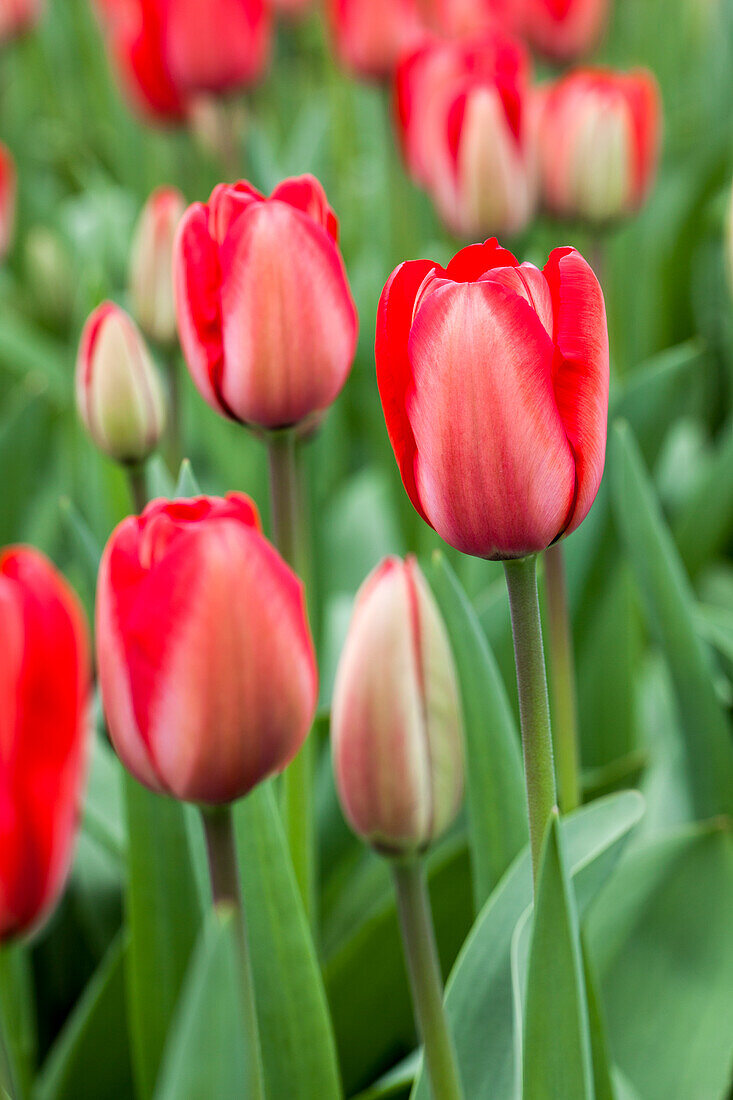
290, 531
534, 707
226, 889
138, 487
418, 937
562, 663
17, 1022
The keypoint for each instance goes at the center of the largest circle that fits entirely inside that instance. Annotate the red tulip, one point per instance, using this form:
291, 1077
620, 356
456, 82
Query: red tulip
151, 264
456, 18
396, 727
205, 658
371, 35
599, 138
265, 314
494, 384
44, 687
7, 199
18, 16
171, 50
466, 127
564, 29
290, 8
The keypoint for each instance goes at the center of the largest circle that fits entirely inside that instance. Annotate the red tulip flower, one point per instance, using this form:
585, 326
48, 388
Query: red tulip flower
169, 51
17, 17
599, 139
44, 688
7, 199
205, 658
494, 384
371, 35
466, 125
564, 29
265, 315
459, 18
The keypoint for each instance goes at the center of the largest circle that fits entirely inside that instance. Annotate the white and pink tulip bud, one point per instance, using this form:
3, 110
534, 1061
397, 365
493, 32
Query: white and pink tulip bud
151, 264
119, 394
17, 17
7, 200
396, 724
599, 134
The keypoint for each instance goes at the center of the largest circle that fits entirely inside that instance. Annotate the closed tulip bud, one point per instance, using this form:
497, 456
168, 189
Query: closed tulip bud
467, 132
396, 724
205, 658
44, 689
494, 383
7, 200
151, 264
599, 137
119, 394
371, 35
17, 17
564, 29
265, 315
171, 50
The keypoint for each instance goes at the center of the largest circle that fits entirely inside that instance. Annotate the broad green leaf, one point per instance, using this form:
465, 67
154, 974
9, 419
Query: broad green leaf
91, 1056
669, 603
86, 547
479, 995
494, 775
205, 1055
103, 818
163, 917
556, 1043
396, 1084
298, 1048
18, 1040
159, 480
187, 485
704, 526
600, 1051
662, 943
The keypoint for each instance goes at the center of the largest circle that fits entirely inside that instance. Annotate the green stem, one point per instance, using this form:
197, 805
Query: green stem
534, 707
17, 1022
138, 487
290, 531
418, 937
562, 662
226, 889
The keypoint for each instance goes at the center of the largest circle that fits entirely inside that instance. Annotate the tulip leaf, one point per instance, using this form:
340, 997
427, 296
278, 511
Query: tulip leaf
158, 479
661, 940
670, 608
205, 1054
494, 775
556, 1042
91, 1056
163, 916
298, 1048
18, 1039
704, 525
479, 995
187, 485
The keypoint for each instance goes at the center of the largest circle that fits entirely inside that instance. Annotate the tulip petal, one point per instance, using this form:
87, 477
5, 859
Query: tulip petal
476, 260
581, 370
494, 471
306, 193
289, 322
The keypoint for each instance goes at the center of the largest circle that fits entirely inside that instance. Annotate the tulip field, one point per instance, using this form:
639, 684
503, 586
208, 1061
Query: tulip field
366, 517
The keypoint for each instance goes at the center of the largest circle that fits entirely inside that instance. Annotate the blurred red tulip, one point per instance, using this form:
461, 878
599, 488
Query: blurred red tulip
466, 125
44, 687
599, 138
119, 396
171, 50
396, 728
371, 35
494, 384
564, 29
290, 8
265, 315
459, 18
18, 16
8, 184
151, 264
206, 662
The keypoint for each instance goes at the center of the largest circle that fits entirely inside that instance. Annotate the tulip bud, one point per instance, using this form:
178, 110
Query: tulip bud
47, 264
564, 29
467, 132
371, 35
44, 689
17, 17
119, 395
205, 658
7, 200
151, 264
265, 315
599, 137
396, 724
494, 383
462, 18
